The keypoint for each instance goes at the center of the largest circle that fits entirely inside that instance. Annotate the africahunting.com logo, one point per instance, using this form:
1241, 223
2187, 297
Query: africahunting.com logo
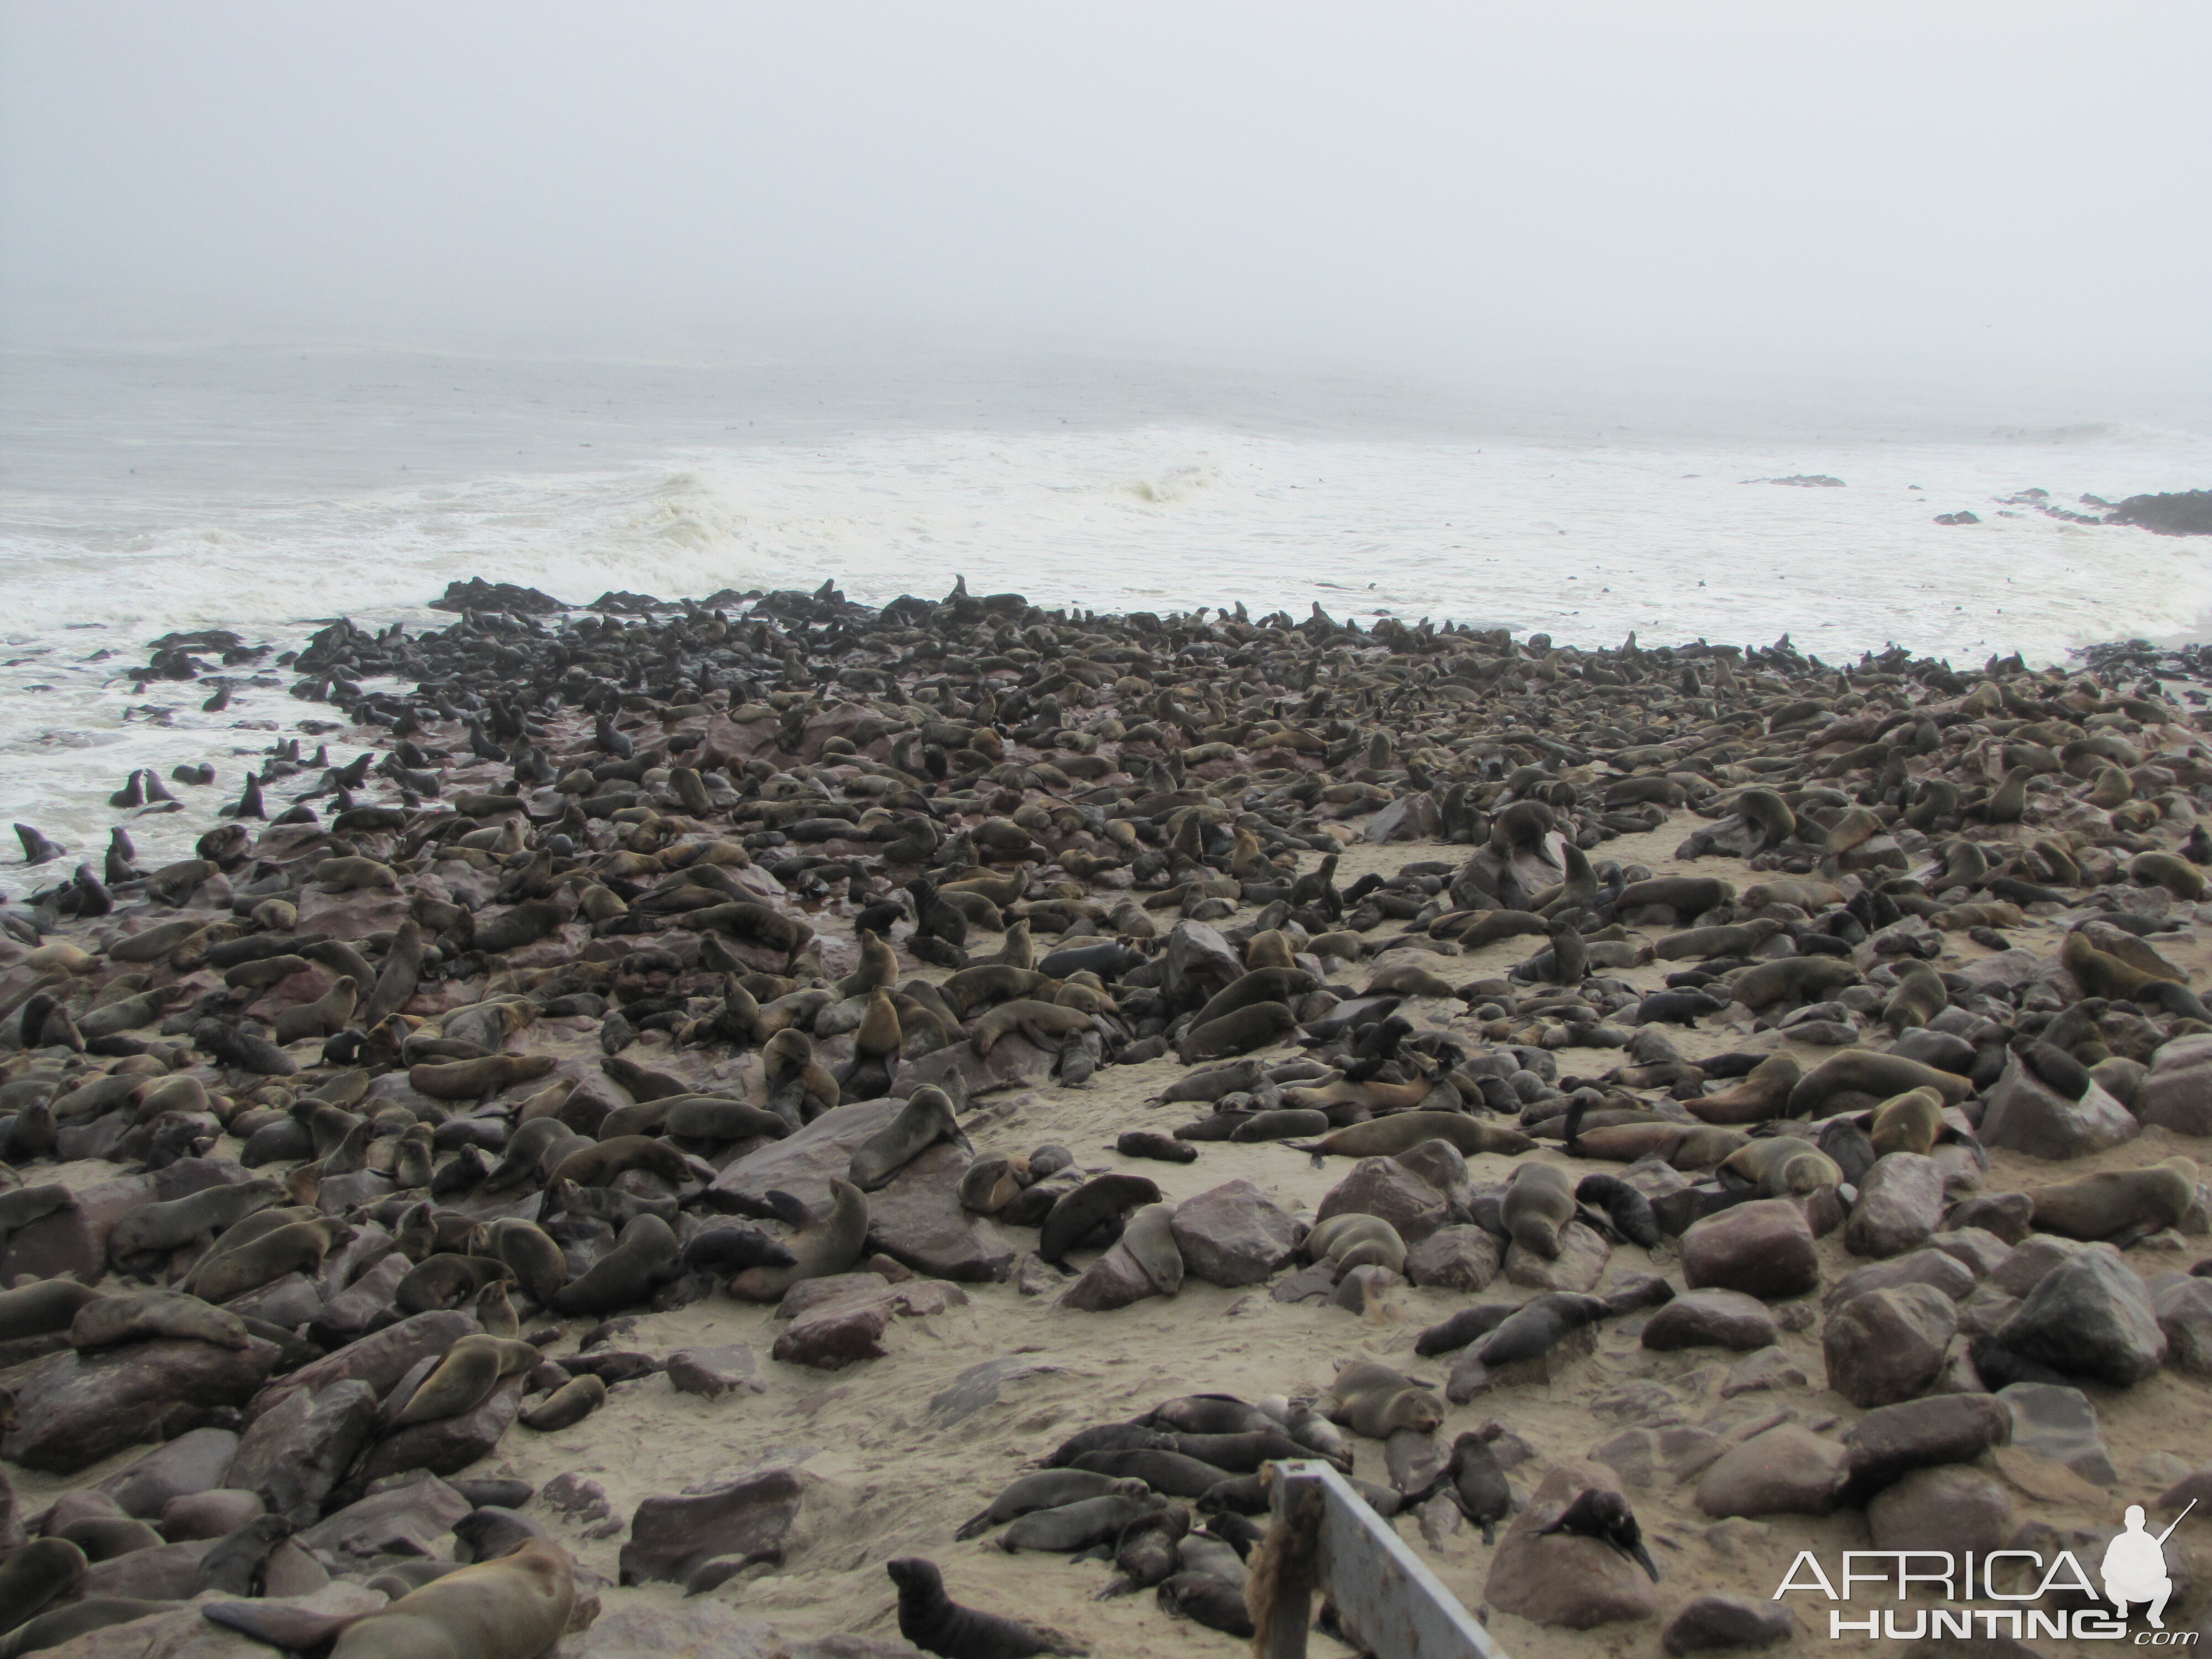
2133, 1571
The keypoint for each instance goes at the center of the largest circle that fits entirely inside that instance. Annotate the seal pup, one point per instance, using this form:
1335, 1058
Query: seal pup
1375, 1401
1604, 1515
926, 1119
935, 1623
1475, 1480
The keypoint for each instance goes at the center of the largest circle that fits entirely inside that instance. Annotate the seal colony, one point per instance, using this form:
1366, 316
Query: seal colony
1651, 1108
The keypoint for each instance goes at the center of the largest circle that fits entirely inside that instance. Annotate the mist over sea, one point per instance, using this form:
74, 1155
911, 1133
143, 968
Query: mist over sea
263, 487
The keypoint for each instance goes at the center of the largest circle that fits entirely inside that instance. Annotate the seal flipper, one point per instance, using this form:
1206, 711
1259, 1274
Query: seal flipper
286, 1628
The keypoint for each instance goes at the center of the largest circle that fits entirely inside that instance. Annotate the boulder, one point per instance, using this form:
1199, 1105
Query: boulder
1409, 818
1361, 1290
1713, 1622
2178, 1093
448, 1444
1888, 1346
73, 1409
2059, 1423
1937, 1268
710, 1373
1562, 1579
916, 1220
1384, 1187
1461, 1258
1892, 1441
1763, 1249
1787, 1470
1114, 1280
2183, 1307
2023, 1114
1712, 1319
1583, 1254
195, 1462
406, 1518
2030, 1261
1231, 1234
1196, 963
1951, 1507
803, 1163
1900, 1204
750, 1516
834, 1336
2089, 1316
379, 1359
1761, 1371
74, 1241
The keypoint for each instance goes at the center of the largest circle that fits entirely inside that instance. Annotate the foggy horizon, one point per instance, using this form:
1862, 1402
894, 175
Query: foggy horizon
1982, 192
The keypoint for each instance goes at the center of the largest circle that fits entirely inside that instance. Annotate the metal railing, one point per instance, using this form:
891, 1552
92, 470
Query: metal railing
1384, 1596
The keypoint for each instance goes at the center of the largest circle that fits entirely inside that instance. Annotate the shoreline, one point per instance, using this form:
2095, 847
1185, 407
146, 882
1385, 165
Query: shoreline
798, 766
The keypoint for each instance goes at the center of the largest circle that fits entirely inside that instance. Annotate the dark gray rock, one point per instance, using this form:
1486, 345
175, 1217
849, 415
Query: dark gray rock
2089, 1316
1232, 1235
750, 1517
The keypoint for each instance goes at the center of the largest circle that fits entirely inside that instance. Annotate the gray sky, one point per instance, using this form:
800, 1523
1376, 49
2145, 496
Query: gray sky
1855, 186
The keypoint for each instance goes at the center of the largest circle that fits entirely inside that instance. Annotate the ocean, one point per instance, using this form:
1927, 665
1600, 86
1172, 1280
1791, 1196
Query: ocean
266, 489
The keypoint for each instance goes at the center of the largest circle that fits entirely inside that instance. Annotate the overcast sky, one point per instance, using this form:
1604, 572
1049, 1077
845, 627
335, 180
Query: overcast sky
1795, 186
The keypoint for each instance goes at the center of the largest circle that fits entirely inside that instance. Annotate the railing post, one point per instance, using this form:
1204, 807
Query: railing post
1327, 1538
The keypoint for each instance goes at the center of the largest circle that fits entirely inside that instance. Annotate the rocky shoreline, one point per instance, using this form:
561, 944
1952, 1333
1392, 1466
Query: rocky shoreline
698, 1095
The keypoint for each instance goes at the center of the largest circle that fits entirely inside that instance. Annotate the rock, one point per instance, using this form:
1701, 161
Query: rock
980, 1386
1763, 1249
1461, 1258
1231, 1234
1937, 1268
161, 1573
1893, 1441
2178, 1093
1787, 1470
1756, 1373
2089, 1316
1888, 1346
292, 1454
1711, 1319
194, 1463
1196, 963
1114, 1280
749, 1516
73, 1243
73, 1409
1561, 1578
448, 1444
379, 1360
406, 1519
2048, 1482
1712, 1622
2023, 1114
1975, 1248
1949, 1508
1583, 1254
916, 1220
710, 1373
1316, 1283
2007, 1216
290, 1302
1900, 1203
1384, 1187
1409, 818
2061, 1425
2027, 1264
833, 1337
804, 1162
1362, 1289
2183, 1307
1444, 1166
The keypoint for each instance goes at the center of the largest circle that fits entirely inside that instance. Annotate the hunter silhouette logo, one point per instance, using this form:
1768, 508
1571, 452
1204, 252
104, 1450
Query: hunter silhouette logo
2134, 1566
2133, 1570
